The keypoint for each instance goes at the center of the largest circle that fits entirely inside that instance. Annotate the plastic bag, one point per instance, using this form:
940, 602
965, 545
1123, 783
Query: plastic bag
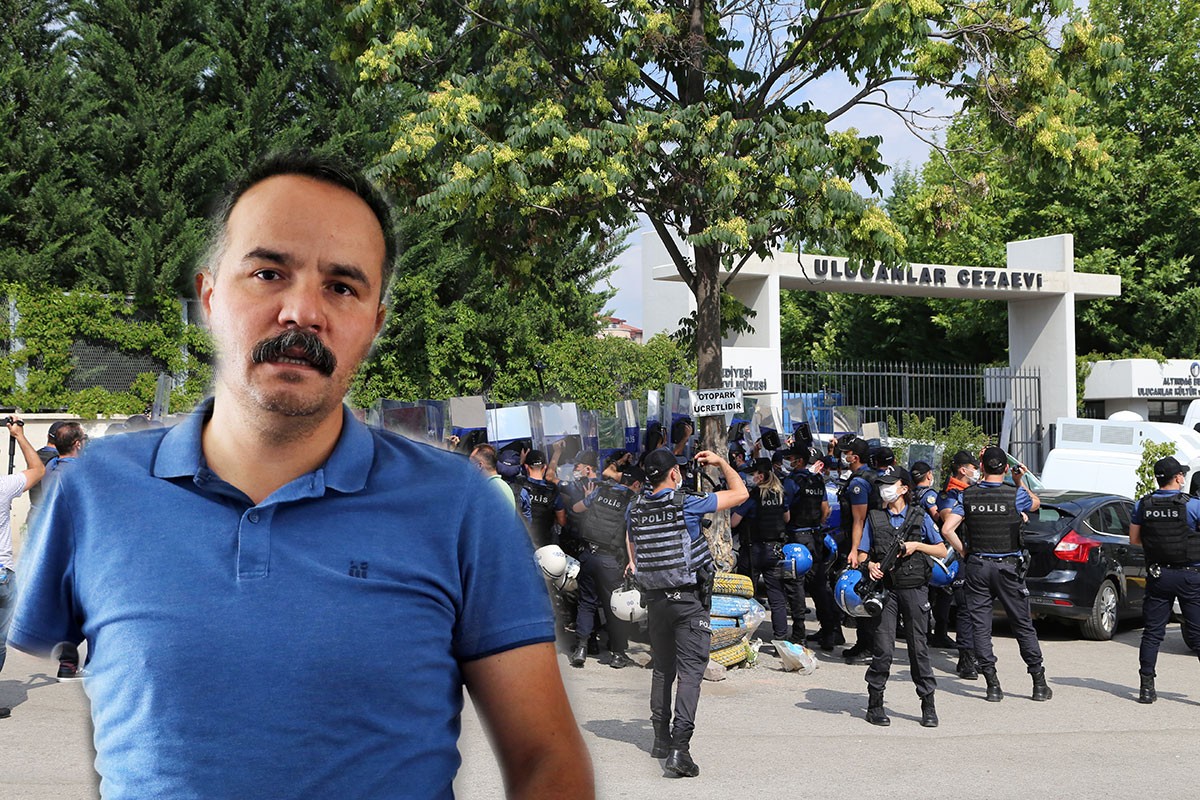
795, 658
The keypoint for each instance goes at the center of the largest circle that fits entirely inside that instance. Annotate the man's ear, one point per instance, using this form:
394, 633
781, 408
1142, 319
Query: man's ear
204, 290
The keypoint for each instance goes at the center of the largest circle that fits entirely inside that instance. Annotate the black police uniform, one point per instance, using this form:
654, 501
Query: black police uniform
675, 574
864, 641
964, 631
908, 597
602, 569
941, 599
1172, 549
542, 500
767, 531
995, 568
804, 527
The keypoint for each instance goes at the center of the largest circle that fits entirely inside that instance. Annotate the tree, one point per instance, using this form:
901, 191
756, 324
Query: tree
571, 114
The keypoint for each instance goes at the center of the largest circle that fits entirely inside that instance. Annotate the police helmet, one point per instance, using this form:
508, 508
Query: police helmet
568, 582
944, 571
552, 560
626, 603
846, 593
831, 547
834, 520
799, 556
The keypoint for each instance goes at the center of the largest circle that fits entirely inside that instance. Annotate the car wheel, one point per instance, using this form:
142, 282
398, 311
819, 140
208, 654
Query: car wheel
1103, 622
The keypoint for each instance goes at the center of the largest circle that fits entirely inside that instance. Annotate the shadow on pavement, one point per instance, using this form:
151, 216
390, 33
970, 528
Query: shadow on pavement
14, 693
636, 732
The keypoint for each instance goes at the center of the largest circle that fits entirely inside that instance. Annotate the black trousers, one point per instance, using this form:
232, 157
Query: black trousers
816, 582
1161, 593
680, 635
989, 580
764, 561
964, 629
599, 575
913, 605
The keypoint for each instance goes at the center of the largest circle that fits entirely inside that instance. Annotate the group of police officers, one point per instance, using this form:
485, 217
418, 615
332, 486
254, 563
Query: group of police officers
635, 520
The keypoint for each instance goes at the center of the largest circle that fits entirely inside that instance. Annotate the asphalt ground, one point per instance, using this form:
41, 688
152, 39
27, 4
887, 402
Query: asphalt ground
764, 732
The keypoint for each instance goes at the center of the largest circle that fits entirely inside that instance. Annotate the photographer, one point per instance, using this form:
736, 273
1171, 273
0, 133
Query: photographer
908, 531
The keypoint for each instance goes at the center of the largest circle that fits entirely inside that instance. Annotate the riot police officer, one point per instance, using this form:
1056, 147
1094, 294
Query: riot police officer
964, 472
766, 512
855, 501
809, 509
1165, 524
940, 599
674, 568
547, 513
992, 512
909, 529
602, 563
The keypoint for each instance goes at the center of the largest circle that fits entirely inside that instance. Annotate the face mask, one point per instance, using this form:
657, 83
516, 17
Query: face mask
845, 462
973, 478
890, 492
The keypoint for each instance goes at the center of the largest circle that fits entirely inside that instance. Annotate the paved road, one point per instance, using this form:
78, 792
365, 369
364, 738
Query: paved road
767, 733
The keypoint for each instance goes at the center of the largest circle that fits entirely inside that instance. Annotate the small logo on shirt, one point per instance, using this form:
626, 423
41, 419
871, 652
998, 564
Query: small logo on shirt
358, 569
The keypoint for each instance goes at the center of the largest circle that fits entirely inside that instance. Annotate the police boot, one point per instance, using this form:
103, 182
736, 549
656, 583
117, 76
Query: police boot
1147, 694
579, 654
875, 713
662, 739
994, 693
928, 713
1041, 691
967, 668
679, 763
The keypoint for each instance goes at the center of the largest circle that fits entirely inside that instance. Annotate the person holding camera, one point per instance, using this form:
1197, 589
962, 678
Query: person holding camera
897, 542
11, 487
671, 561
766, 512
991, 514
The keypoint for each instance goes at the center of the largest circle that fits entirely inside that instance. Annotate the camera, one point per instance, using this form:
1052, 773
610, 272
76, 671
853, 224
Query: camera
873, 595
12, 421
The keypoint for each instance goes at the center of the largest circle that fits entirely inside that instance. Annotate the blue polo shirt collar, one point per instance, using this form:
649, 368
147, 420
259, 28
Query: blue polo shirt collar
180, 455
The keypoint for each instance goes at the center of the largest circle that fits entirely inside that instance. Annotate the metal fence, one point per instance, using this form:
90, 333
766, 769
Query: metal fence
994, 398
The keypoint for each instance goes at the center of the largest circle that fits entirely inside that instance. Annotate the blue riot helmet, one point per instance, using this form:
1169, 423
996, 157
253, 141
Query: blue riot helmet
846, 593
799, 557
831, 547
944, 570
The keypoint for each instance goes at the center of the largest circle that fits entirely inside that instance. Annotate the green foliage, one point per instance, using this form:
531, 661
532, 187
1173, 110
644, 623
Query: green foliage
1151, 451
50, 321
959, 434
735, 318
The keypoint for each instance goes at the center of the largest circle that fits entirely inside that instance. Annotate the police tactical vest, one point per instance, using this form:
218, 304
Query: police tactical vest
768, 517
541, 511
991, 519
867, 474
1166, 537
911, 571
604, 521
810, 495
663, 550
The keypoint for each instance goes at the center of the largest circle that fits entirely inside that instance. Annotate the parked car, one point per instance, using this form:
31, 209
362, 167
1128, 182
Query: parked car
1083, 567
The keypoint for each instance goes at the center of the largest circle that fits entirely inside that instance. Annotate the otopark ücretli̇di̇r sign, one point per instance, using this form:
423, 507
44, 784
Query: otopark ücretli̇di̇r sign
716, 402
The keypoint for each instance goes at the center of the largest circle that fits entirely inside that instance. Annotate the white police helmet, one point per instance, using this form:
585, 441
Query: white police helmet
568, 582
626, 604
552, 560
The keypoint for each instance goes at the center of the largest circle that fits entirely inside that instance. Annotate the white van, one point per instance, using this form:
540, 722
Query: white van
1103, 455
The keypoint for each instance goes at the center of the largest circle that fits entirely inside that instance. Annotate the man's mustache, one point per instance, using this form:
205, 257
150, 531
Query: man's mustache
308, 346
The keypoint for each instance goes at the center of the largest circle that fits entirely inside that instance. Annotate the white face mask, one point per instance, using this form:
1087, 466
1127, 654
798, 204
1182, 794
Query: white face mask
973, 478
890, 492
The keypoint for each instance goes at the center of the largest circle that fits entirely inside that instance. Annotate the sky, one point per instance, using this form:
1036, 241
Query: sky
900, 148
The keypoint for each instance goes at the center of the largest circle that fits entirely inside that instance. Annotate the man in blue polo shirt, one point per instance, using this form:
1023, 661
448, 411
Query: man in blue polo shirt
303, 624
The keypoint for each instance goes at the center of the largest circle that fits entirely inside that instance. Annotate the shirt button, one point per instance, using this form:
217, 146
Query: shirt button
254, 516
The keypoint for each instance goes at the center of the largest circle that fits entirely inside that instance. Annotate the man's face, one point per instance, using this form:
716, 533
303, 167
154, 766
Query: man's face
303, 257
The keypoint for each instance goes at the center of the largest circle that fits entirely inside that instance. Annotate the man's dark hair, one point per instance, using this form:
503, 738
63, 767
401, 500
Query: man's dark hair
322, 167
485, 456
67, 436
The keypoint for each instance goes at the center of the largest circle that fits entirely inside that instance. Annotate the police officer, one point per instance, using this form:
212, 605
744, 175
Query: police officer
940, 598
673, 566
1165, 524
766, 514
545, 506
964, 472
809, 509
855, 500
910, 528
992, 512
581, 484
602, 563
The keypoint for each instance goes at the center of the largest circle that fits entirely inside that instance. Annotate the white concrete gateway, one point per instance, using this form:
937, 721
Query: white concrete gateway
1039, 283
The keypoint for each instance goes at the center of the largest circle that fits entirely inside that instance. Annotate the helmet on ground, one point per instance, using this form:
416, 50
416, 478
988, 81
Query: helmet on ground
568, 582
944, 571
846, 593
800, 557
552, 560
626, 603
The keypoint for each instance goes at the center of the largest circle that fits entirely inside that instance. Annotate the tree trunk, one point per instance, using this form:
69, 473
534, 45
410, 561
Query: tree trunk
708, 366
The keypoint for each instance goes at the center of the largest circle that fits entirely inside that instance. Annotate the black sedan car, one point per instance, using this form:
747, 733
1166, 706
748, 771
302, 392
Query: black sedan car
1082, 566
